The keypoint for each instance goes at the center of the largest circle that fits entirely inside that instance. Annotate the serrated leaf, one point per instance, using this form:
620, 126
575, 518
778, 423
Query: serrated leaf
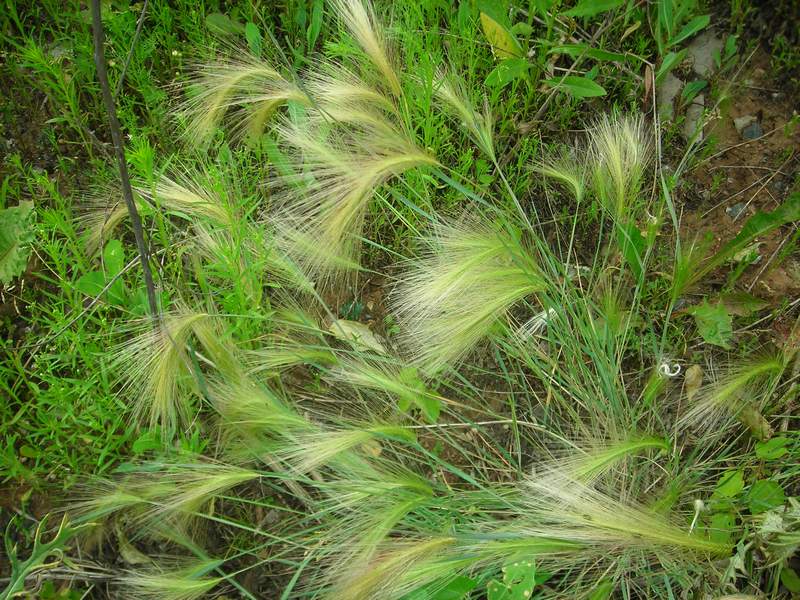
504, 44
692, 27
580, 87
253, 37
764, 495
16, 234
713, 323
507, 71
590, 8
223, 24
772, 449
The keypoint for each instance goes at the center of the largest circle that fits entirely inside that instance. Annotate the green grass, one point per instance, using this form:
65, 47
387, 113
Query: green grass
427, 335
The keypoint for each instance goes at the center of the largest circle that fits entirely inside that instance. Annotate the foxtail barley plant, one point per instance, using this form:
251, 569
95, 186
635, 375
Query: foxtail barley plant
524, 434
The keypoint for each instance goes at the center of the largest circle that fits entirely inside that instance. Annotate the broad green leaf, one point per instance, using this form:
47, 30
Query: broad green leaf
430, 407
764, 495
721, 527
253, 37
223, 24
790, 580
772, 449
519, 579
692, 27
670, 61
507, 71
496, 590
113, 258
730, 484
504, 43
580, 87
16, 235
590, 8
91, 284
713, 323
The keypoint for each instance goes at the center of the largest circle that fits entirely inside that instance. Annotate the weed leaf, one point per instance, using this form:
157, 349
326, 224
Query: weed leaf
713, 323
692, 27
764, 495
223, 24
580, 87
507, 71
772, 449
504, 43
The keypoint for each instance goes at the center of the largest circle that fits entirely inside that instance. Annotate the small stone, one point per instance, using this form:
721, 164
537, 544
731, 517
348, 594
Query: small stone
694, 115
741, 122
666, 92
735, 211
752, 131
703, 50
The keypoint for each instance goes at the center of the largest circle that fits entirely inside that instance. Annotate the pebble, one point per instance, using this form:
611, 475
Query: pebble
735, 211
667, 91
752, 131
694, 114
703, 50
743, 122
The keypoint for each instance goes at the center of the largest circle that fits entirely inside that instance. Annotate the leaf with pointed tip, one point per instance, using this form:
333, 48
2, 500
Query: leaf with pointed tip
580, 87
